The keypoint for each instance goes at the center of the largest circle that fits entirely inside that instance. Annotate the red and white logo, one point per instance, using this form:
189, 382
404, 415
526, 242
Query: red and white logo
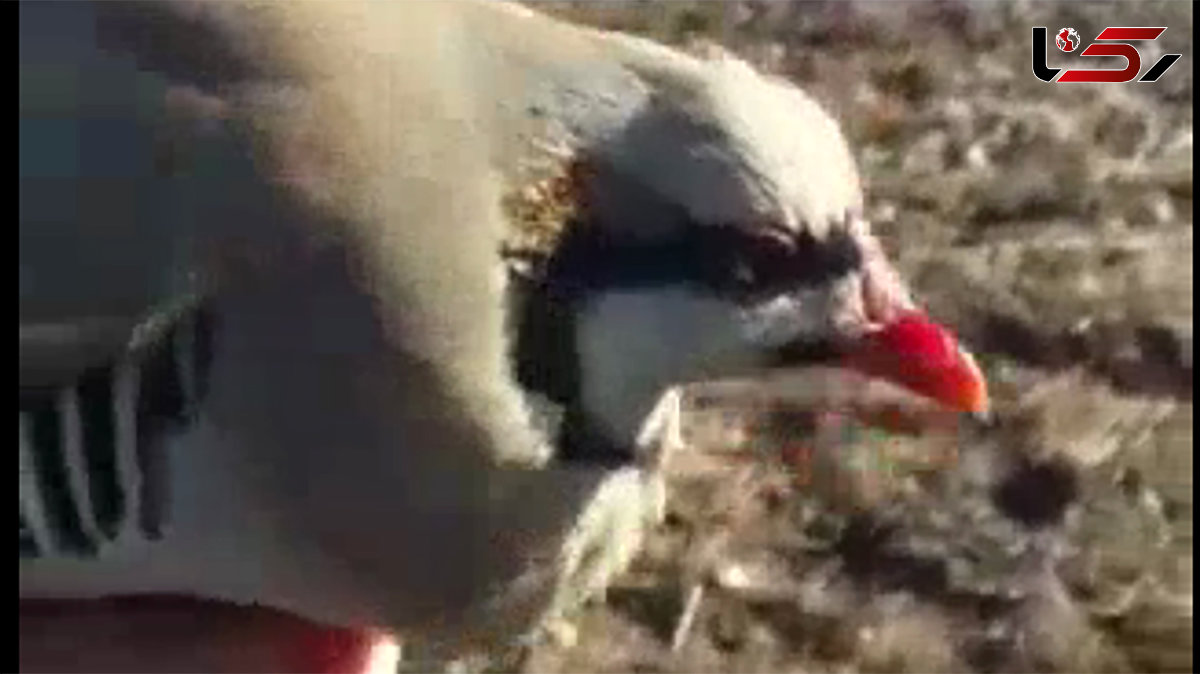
1112, 41
1067, 40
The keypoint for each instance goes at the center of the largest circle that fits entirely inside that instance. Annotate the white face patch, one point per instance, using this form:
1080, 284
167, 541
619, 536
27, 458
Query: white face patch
780, 320
635, 343
806, 315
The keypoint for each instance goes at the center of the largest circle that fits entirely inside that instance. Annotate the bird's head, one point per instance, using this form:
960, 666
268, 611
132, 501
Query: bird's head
758, 256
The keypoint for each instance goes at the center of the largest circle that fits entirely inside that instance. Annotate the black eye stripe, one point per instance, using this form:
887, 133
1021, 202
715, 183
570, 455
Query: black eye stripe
723, 260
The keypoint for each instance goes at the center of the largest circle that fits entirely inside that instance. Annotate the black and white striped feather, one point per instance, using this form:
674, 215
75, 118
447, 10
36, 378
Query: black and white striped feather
93, 467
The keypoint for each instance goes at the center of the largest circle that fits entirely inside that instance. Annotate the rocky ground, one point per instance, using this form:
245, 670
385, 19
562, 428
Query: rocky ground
1051, 226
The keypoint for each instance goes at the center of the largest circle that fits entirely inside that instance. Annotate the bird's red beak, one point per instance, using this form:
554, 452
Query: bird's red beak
925, 358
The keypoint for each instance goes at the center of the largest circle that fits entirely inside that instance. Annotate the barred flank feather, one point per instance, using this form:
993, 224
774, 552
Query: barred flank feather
93, 459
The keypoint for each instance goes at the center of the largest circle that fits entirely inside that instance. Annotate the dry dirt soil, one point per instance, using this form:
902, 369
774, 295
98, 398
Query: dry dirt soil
1051, 225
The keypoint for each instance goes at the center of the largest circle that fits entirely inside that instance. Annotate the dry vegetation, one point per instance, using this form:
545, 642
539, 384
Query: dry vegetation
1051, 225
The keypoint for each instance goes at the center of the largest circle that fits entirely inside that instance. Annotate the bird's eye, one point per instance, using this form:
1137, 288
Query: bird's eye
753, 262
743, 275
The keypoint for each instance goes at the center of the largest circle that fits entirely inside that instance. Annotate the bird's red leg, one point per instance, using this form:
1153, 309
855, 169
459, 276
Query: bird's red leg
168, 633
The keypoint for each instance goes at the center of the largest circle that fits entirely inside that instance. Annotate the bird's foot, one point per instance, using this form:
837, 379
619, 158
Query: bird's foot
661, 433
607, 536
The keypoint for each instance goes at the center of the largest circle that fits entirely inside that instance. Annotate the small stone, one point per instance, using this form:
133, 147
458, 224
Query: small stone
958, 111
1154, 208
976, 157
1162, 210
562, 633
885, 213
733, 576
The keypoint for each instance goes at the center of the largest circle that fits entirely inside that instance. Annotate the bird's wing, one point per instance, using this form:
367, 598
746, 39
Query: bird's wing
307, 480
